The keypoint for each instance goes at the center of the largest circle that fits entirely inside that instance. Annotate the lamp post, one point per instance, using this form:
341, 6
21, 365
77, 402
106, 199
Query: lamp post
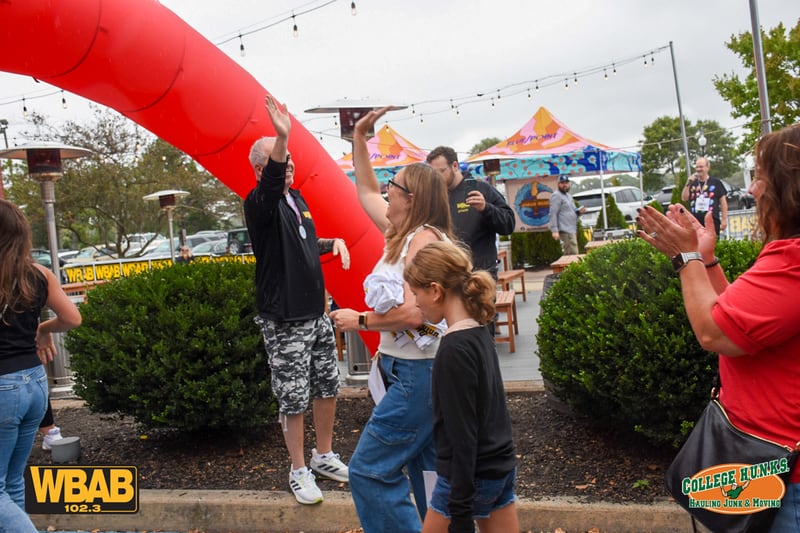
701, 140
3, 128
166, 200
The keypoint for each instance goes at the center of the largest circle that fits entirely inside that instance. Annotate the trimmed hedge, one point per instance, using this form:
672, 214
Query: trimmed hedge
615, 343
175, 347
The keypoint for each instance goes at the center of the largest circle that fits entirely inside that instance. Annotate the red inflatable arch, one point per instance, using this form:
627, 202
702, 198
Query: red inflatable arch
139, 58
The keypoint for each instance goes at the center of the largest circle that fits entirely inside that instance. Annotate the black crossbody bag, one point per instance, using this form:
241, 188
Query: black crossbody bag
737, 497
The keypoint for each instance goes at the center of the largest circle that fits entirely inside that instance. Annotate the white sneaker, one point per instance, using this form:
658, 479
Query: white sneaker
305, 488
331, 467
52, 436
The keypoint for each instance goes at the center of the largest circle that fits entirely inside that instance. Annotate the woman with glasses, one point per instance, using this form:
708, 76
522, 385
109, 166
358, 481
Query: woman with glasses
25, 344
398, 438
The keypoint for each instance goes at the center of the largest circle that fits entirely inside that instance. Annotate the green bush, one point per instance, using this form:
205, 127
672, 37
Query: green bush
615, 343
615, 217
535, 248
175, 347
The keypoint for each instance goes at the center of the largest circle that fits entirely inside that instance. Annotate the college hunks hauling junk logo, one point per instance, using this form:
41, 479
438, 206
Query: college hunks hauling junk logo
737, 488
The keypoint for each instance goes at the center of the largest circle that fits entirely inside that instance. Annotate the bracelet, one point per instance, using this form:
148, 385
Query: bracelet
713, 263
362, 321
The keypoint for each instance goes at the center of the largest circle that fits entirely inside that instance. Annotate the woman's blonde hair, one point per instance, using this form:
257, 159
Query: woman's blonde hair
18, 275
778, 165
449, 265
428, 206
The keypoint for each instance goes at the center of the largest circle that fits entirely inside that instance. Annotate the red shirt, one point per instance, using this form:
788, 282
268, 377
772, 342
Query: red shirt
760, 312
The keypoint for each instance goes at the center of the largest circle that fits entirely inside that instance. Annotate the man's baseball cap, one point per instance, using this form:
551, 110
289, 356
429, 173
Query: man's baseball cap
563, 178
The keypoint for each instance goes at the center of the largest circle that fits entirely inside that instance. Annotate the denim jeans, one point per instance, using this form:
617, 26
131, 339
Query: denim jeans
788, 517
23, 401
398, 435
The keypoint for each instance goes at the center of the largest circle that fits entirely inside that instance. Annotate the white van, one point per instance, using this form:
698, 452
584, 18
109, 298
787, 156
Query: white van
628, 199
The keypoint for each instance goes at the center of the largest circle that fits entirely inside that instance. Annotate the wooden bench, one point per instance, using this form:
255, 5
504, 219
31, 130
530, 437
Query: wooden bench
502, 255
564, 261
505, 278
506, 303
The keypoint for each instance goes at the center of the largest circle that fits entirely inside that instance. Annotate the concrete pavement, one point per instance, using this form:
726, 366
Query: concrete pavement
269, 511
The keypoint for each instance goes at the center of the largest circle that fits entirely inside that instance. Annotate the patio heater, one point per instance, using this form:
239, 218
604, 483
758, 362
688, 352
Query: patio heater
358, 358
166, 200
491, 167
349, 112
44, 166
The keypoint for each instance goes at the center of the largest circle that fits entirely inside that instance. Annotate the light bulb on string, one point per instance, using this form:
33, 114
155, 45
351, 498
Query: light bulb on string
413, 111
652, 59
492, 99
451, 104
24, 108
353, 10
566, 84
420, 119
295, 31
529, 93
537, 86
241, 46
614, 65
645, 61
458, 112
498, 94
63, 100
605, 74
575, 74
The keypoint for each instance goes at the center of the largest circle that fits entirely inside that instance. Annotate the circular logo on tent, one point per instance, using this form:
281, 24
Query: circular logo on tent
532, 209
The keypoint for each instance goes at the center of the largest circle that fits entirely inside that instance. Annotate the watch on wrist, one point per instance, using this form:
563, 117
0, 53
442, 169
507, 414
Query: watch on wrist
682, 259
362, 321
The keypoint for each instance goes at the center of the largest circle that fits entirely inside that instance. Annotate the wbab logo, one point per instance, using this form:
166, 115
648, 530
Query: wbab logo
74, 490
737, 488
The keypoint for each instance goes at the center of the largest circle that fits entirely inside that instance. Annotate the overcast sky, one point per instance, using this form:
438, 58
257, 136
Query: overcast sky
428, 52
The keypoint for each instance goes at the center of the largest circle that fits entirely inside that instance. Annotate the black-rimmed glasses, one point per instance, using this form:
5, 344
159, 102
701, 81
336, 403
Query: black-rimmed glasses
393, 183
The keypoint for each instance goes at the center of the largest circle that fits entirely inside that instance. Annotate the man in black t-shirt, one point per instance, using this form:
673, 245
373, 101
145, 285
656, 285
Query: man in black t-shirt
705, 194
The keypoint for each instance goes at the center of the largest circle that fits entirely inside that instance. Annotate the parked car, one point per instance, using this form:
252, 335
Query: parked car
161, 250
92, 254
239, 241
738, 198
628, 199
42, 256
665, 196
218, 247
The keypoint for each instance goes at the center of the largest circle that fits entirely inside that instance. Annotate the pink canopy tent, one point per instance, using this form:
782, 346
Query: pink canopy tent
388, 153
545, 146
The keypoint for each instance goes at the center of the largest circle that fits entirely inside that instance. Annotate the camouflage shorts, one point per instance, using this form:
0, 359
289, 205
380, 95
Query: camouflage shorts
302, 360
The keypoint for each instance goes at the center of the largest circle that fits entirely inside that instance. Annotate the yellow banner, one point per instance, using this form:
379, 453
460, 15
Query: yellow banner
108, 270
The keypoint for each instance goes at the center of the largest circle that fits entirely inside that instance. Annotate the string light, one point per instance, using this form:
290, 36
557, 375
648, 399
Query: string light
241, 45
529, 93
24, 108
295, 31
492, 100
63, 99
615, 68
498, 94
566, 84
353, 10
413, 111
537, 86
645, 61
652, 59
575, 74
605, 74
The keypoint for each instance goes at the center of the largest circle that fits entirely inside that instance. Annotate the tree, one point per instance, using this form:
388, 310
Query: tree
663, 156
488, 142
782, 72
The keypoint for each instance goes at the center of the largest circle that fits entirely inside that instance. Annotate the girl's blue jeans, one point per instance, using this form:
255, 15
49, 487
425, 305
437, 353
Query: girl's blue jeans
23, 401
397, 437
